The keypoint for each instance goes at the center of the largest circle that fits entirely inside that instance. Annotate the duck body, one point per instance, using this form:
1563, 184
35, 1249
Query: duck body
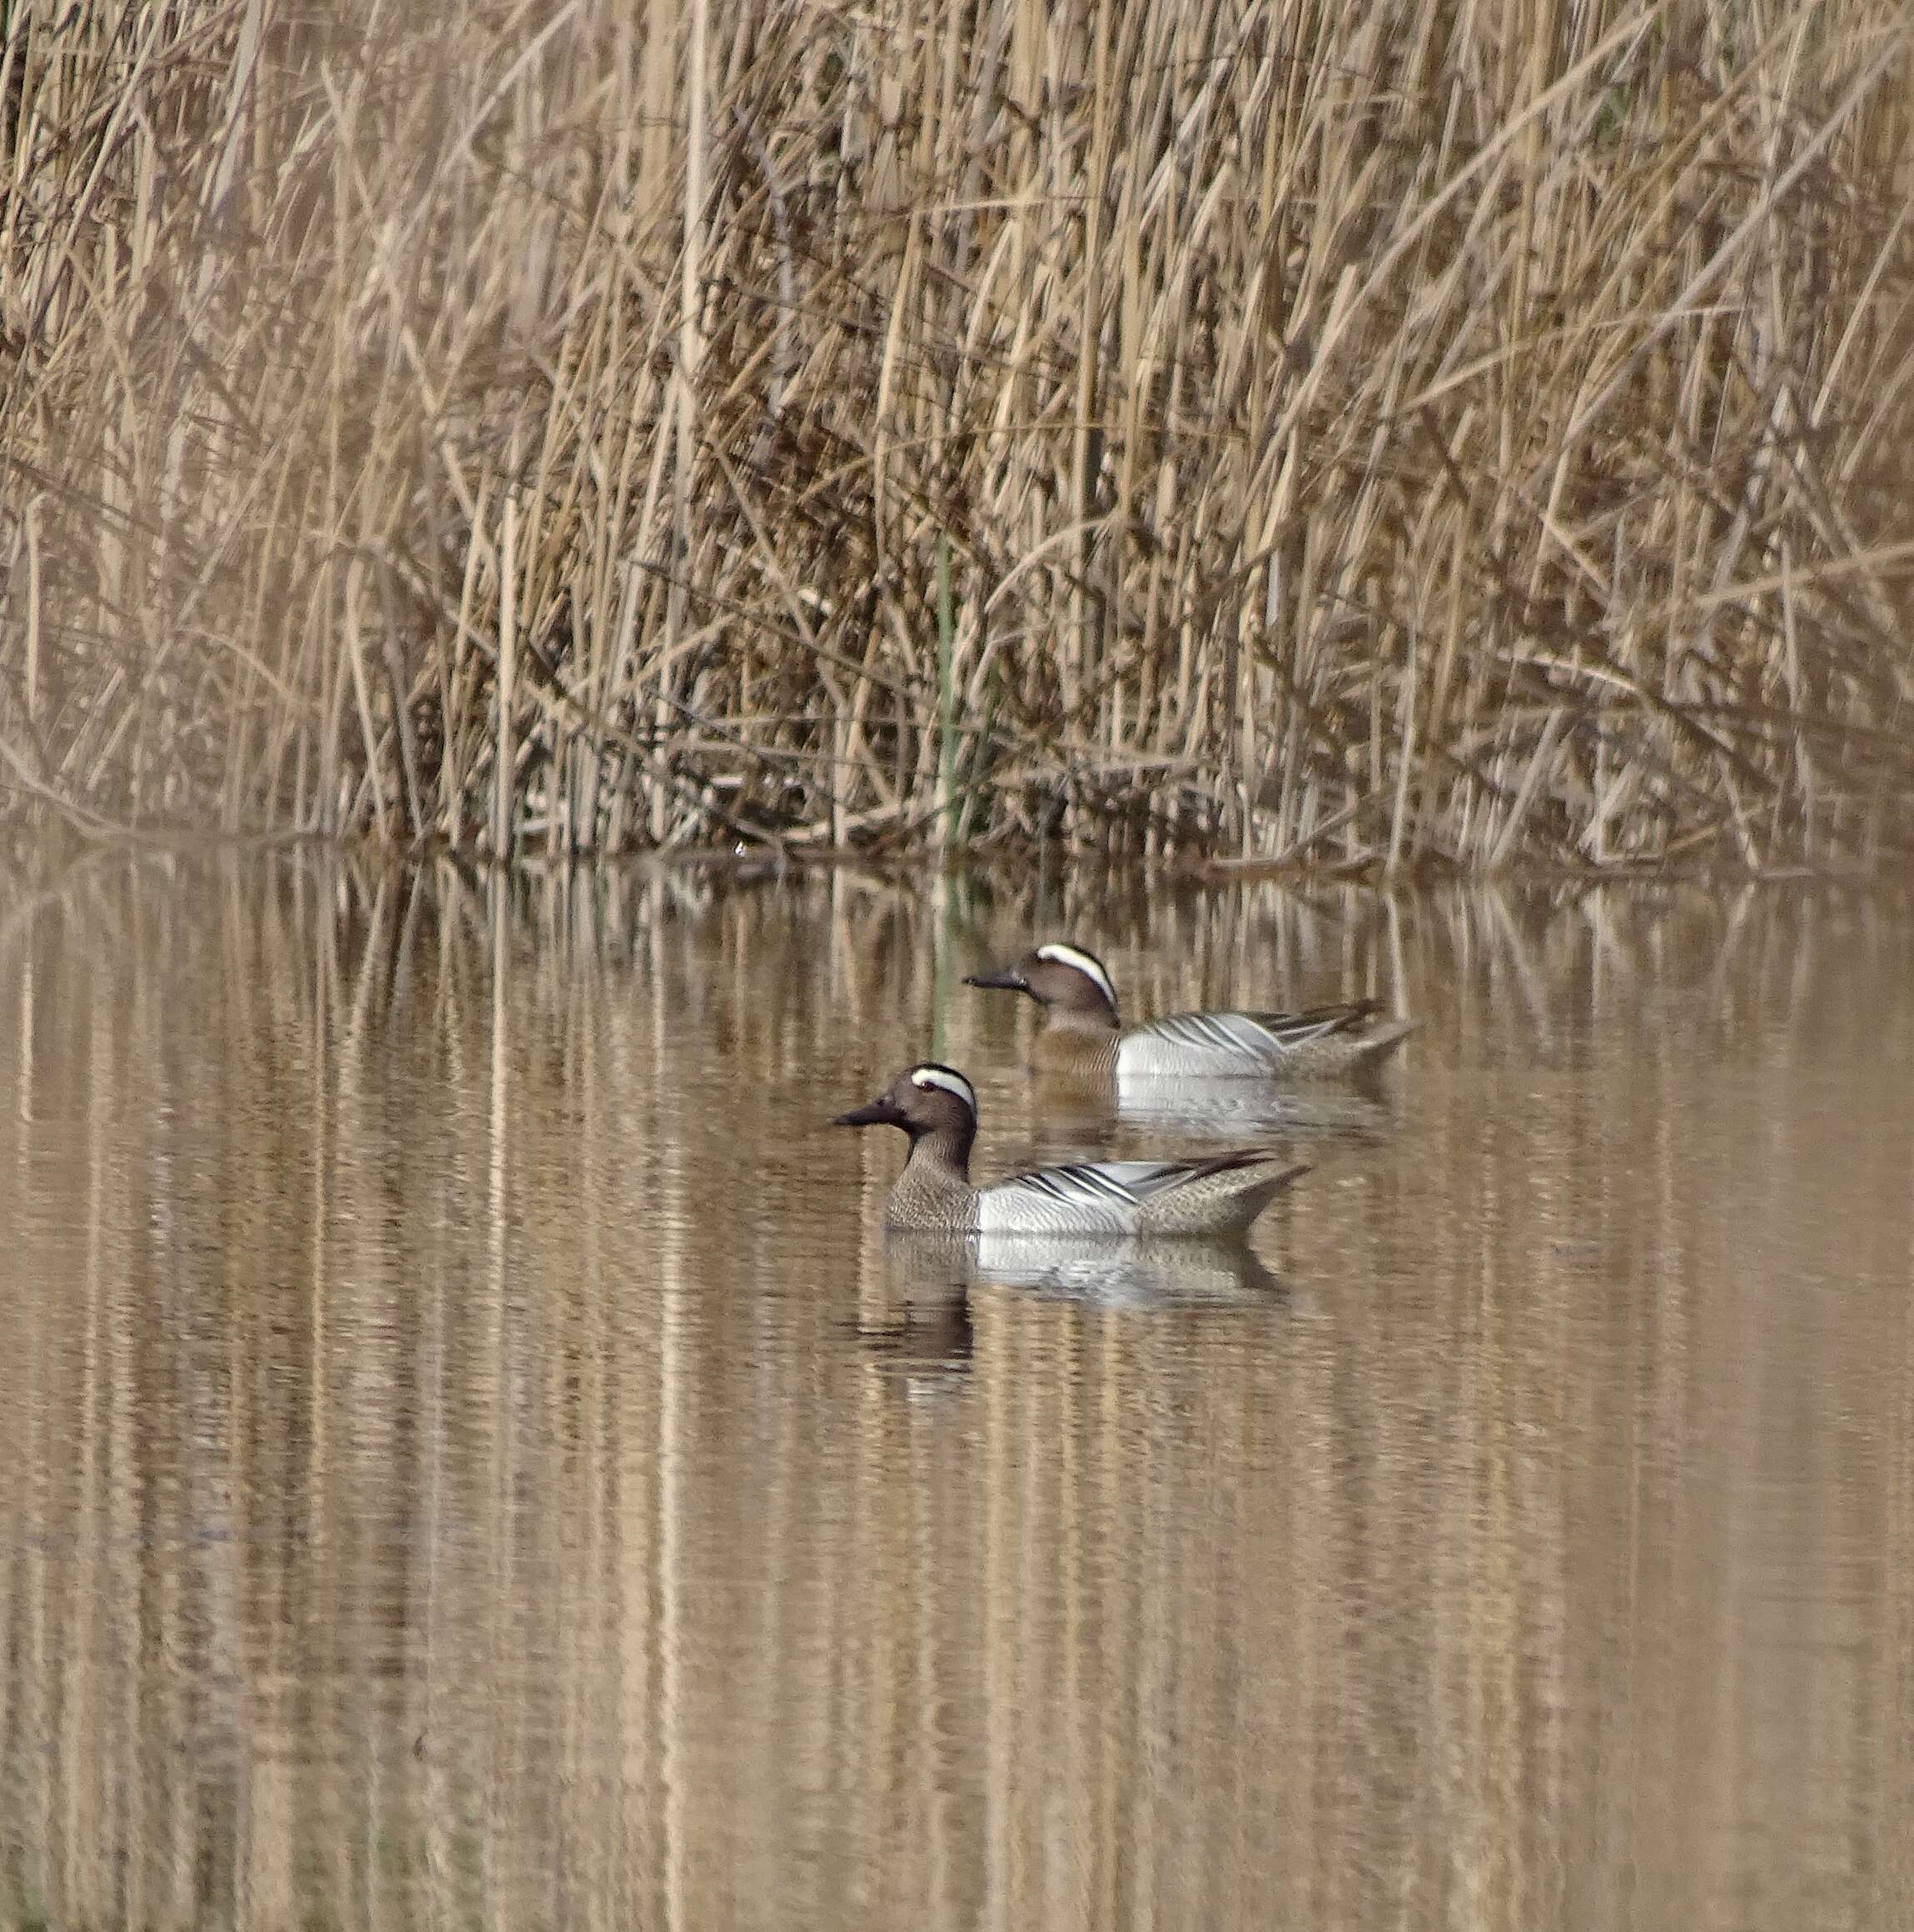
1082, 1037
1219, 1194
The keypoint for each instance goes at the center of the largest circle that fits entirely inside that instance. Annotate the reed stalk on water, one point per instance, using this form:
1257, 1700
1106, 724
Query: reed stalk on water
1359, 438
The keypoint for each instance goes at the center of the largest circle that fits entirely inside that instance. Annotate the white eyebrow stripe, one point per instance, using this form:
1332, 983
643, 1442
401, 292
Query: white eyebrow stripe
1069, 956
951, 1083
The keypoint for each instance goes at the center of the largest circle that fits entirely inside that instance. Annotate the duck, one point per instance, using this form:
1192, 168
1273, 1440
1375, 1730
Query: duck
1219, 1195
1082, 1035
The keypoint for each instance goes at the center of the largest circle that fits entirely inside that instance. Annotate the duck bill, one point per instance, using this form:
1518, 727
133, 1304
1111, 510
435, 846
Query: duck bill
880, 1113
1005, 980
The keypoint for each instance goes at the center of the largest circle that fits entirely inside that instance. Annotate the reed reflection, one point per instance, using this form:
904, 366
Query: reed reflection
466, 1451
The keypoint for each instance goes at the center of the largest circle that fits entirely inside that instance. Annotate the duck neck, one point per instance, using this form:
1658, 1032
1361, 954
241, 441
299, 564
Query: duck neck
1078, 1040
942, 1153
934, 1191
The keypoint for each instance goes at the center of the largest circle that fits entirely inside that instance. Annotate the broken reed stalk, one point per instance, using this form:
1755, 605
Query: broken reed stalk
1376, 438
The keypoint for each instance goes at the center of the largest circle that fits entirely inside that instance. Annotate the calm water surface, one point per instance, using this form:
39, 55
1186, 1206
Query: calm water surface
465, 1459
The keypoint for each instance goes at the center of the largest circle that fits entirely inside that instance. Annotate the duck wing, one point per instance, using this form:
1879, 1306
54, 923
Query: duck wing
1182, 1044
1094, 1183
1315, 1022
1099, 1196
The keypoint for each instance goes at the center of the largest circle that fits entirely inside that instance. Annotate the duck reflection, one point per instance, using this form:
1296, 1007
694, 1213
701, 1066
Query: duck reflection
914, 1315
1202, 1110
914, 1309
1128, 1273
916, 1301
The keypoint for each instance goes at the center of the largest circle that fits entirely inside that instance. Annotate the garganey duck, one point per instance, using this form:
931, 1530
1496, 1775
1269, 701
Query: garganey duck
1082, 1035
1219, 1194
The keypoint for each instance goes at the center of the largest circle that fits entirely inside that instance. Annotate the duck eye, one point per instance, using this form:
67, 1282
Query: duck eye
951, 1083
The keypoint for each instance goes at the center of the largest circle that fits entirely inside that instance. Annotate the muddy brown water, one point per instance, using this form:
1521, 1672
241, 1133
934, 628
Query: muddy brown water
465, 1457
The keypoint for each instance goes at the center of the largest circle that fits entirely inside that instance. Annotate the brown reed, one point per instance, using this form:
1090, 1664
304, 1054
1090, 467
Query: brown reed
1358, 437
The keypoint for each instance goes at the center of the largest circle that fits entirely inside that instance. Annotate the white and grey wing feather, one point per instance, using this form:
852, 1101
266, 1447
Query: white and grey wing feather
1191, 1042
1104, 1194
1218, 1032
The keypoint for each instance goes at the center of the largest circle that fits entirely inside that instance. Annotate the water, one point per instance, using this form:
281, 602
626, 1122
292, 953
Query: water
465, 1457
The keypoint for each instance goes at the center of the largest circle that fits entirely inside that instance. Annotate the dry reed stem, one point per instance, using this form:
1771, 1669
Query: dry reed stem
1369, 440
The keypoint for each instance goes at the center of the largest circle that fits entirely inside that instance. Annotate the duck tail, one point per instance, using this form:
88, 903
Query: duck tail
1225, 1193
1262, 1185
1386, 1038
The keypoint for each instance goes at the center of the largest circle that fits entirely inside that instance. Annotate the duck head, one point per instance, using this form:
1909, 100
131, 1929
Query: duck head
926, 1101
1064, 980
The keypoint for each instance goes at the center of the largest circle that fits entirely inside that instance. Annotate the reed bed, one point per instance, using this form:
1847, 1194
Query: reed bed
1360, 439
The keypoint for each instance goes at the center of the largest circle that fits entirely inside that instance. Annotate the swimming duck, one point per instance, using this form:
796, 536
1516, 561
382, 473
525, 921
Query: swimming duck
1081, 1034
937, 1107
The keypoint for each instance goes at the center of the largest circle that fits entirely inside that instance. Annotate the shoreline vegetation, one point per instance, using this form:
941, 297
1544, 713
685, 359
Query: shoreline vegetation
1370, 440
